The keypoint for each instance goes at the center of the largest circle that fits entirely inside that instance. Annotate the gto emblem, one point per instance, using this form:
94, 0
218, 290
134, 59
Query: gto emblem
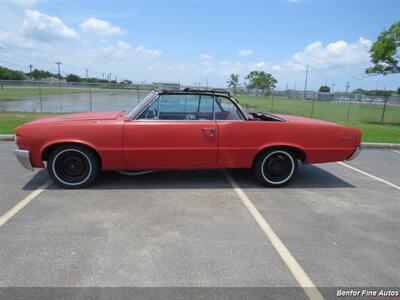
346, 137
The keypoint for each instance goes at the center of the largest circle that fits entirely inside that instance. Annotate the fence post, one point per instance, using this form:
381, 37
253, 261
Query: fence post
40, 96
272, 100
384, 108
90, 95
272, 104
312, 107
348, 109
59, 93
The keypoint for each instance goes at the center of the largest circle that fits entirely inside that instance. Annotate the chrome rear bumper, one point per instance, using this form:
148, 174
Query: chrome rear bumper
23, 158
355, 153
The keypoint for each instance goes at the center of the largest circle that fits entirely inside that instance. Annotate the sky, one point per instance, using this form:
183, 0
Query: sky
198, 42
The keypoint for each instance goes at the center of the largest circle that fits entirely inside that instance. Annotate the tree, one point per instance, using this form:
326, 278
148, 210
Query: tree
261, 80
8, 74
324, 89
233, 82
385, 52
40, 74
374, 92
73, 78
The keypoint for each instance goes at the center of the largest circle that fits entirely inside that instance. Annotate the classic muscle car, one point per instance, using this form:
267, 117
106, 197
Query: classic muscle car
185, 129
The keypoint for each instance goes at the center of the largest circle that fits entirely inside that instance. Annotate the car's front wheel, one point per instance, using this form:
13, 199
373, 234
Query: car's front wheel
73, 166
275, 167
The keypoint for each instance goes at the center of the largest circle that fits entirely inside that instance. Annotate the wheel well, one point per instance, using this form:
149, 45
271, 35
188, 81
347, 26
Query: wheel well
46, 152
299, 153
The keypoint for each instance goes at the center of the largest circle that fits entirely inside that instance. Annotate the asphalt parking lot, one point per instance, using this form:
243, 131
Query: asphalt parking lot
194, 229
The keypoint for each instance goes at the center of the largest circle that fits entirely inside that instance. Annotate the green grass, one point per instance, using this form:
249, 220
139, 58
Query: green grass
379, 133
325, 110
11, 93
19, 93
10, 120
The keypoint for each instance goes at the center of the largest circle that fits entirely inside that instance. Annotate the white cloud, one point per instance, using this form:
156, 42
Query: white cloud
147, 52
293, 1
205, 57
258, 65
45, 28
335, 55
124, 50
245, 52
100, 26
123, 45
276, 68
225, 62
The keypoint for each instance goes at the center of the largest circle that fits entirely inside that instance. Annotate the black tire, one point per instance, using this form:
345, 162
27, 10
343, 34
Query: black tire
275, 167
73, 166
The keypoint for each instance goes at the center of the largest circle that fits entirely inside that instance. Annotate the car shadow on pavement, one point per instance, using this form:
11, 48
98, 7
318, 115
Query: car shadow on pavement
309, 176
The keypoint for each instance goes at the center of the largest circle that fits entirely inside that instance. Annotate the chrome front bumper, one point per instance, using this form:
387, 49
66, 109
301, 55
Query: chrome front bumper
23, 158
355, 153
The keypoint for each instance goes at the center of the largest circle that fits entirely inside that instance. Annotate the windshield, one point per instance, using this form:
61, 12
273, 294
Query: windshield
141, 104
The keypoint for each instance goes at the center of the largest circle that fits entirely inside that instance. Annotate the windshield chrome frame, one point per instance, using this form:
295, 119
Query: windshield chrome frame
146, 104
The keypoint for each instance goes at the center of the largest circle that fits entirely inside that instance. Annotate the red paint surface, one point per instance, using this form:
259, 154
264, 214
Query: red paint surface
125, 144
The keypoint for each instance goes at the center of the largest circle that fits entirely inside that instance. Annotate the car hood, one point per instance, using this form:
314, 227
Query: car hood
86, 116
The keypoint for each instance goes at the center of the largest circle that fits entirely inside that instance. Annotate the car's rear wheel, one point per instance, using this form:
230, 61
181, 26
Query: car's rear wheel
275, 167
73, 166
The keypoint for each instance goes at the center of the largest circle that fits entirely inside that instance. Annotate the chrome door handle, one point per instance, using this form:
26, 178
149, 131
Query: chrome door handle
212, 130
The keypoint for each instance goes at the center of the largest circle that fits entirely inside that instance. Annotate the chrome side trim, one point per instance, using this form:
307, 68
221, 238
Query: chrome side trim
23, 158
355, 154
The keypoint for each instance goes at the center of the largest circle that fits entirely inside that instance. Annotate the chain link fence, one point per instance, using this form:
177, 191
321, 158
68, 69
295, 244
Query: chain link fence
55, 97
336, 107
63, 97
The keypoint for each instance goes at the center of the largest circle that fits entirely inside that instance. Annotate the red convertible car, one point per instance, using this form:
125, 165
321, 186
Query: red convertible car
186, 129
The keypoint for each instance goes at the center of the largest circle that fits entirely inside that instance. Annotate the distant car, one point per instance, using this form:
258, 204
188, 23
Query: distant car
186, 129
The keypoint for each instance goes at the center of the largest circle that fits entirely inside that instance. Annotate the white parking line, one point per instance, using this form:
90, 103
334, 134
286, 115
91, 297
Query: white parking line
294, 267
24, 202
396, 151
370, 175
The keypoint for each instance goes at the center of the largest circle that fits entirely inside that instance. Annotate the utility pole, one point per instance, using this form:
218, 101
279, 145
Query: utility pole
87, 73
333, 85
347, 87
103, 76
305, 84
30, 68
349, 99
59, 71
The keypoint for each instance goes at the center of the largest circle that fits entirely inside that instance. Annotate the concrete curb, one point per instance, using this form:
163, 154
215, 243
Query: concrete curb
10, 137
6, 137
380, 146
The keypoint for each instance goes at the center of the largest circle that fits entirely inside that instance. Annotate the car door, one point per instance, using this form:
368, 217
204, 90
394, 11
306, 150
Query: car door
237, 136
174, 131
